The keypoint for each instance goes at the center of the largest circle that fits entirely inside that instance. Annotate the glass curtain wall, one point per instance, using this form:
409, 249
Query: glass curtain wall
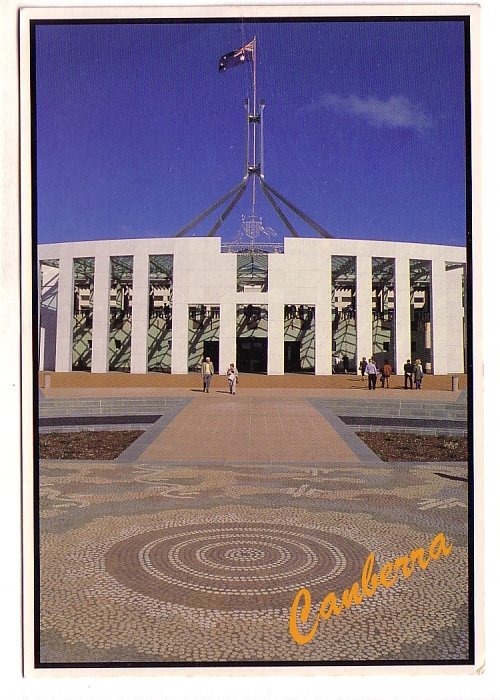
160, 313
421, 312
251, 338
47, 335
299, 338
120, 313
343, 313
252, 269
203, 336
83, 304
383, 311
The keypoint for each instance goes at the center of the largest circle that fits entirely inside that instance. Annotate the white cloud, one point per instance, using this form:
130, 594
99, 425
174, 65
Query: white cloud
395, 112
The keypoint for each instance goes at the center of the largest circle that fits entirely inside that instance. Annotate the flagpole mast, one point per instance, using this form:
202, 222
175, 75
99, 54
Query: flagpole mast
255, 118
247, 150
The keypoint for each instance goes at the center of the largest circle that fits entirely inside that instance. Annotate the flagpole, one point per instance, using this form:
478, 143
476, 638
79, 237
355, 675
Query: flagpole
247, 150
254, 115
255, 75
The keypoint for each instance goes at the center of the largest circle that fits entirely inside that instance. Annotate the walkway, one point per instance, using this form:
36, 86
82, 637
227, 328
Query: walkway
232, 429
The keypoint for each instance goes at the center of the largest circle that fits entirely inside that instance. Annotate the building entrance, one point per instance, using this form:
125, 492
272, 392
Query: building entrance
292, 355
211, 350
251, 355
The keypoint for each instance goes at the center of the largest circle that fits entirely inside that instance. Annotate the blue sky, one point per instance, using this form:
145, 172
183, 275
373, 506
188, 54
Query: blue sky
137, 131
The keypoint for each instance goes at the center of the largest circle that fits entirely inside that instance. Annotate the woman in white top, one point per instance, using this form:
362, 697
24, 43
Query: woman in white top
232, 378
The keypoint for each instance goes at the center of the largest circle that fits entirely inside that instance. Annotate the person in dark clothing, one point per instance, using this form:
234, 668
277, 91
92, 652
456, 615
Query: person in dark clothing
345, 361
408, 370
362, 368
386, 373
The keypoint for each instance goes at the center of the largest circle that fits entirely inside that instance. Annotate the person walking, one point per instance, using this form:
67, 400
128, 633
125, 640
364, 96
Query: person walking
408, 370
362, 368
207, 371
345, 362
386, 373
371, 370
232, 378
419, 373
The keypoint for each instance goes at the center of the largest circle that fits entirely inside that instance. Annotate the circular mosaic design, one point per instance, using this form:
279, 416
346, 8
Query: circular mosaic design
235, 566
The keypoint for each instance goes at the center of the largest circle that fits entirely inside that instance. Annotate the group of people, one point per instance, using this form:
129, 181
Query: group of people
368, 368
336, 364
413, 371
207, 372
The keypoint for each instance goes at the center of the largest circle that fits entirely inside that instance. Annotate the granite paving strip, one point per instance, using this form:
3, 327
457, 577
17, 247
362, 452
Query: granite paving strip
348, 435
111, 405
60, 421
394, 422
228, 428
134, 451
395, 408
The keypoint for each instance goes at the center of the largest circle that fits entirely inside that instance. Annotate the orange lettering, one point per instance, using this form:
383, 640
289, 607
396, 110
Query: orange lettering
301, 606
329, 607
418, 555
352, 596
367, 578
304, 614
438, 547
385, 570
402, 563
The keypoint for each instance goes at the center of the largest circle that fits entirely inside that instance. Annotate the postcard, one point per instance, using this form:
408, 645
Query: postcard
250, 246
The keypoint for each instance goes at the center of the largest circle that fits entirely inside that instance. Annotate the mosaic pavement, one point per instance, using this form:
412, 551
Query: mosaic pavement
199, 563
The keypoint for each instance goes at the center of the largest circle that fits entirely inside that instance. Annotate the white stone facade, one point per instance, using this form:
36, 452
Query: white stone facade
301, 275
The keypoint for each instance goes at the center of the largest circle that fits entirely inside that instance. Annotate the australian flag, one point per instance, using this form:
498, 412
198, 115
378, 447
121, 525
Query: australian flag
235, 58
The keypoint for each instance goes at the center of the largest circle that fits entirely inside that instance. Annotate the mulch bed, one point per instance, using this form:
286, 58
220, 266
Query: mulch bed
390, 447
87, 444
408, 447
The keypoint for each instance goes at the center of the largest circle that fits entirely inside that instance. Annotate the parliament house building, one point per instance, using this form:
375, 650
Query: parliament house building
307, 305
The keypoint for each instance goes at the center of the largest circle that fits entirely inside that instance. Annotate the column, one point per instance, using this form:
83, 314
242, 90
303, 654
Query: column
323, 337
403, 314
64, 344
454, 320
227, 336
100, 328
275, 337
439, 320
140, 315
179, 334
364, 322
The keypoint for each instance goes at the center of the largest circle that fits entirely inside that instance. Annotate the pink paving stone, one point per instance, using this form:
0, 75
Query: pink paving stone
264, 429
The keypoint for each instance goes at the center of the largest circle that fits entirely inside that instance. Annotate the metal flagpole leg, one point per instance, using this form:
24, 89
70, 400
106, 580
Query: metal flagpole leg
279, 211
208, 211
316, 227
228, 210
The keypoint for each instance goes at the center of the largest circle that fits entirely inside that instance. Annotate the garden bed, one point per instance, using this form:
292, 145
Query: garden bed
409, 447
86, 444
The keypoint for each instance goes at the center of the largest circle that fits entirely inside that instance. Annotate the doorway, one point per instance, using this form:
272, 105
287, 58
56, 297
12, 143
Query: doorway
211, 350
251, 355
292, 355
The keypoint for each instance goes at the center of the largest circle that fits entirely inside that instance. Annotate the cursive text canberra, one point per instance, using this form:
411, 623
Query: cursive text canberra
370, 581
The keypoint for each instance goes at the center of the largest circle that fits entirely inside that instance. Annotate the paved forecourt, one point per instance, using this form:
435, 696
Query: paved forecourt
193, 548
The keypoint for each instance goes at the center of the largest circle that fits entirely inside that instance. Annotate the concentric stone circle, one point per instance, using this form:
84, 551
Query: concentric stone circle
235, 566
